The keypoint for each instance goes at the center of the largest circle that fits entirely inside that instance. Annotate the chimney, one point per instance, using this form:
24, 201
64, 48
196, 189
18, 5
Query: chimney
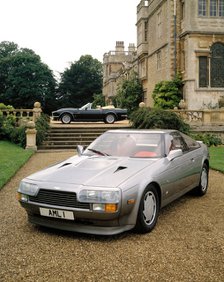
119, 46
131, 47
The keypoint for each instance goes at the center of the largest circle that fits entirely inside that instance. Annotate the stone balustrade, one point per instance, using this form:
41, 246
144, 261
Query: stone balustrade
202, 117
27, 117
27, 114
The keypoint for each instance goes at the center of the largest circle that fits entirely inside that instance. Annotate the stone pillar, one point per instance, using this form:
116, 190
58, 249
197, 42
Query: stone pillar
207, 117
31, 134
36, 111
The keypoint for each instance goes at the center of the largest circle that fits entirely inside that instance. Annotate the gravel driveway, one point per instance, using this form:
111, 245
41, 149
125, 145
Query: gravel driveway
186, 245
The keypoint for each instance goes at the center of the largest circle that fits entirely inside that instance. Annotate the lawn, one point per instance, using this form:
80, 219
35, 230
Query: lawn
12, 157
217, 158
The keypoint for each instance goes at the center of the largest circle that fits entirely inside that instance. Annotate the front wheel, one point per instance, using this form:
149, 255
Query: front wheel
148, 210
66, 118
202, 188
110, 118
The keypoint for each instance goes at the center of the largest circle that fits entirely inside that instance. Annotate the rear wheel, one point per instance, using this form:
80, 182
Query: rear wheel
148, 210
110, 118
203, 185
66, 118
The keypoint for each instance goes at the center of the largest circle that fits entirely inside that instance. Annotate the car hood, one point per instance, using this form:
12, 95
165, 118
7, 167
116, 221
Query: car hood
92, 171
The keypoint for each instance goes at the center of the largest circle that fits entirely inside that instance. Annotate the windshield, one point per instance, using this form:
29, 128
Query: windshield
86, 106
139, 145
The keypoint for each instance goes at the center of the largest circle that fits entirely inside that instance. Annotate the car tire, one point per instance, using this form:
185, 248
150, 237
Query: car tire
66, 118
110, 118
148, 210
202, 188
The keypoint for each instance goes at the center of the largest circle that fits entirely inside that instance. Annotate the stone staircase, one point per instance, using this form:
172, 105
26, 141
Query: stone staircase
66, 137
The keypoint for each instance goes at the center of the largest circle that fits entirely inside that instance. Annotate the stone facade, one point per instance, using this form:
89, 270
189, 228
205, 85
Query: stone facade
172, 36
185, 36
117, 65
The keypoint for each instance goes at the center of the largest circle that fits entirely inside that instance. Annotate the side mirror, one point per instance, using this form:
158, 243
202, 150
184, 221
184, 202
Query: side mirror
80, 150
173, 154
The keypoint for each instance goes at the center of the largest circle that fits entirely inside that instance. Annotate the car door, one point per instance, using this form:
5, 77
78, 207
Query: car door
180, 172
86, 113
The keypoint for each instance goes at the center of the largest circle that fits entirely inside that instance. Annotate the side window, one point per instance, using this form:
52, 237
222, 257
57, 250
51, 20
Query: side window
191, 143
178, 142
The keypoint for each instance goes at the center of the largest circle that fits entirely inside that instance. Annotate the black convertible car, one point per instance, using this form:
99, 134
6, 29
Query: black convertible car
86, 113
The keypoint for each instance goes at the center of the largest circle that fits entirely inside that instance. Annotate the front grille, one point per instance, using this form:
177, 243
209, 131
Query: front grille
58, 198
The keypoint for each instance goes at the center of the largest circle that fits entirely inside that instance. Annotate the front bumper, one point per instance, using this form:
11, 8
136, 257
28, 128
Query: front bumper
78, 226
54, 118
86, 221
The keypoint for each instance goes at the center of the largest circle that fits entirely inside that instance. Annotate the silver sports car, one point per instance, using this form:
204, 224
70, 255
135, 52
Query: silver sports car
117, 183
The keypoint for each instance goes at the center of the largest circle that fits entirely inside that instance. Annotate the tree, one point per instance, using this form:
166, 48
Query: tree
24, 79
99, 100
129, 93
167, 94
80, 82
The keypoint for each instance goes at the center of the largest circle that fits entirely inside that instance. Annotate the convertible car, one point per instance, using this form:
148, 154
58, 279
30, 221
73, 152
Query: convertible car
107, 114
117, 183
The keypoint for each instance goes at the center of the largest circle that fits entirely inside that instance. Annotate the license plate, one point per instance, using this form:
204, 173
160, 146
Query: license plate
57, 213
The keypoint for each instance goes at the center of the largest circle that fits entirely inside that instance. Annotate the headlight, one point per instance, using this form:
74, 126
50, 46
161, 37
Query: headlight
28, 188
99, 196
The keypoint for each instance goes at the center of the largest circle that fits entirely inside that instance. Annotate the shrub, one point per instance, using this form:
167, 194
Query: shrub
10, 132
4, 107
42, 126
17, 134
167, 94
144, 118
129, 93
207, 138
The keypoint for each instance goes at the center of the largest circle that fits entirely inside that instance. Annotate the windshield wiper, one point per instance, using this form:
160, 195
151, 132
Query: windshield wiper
98, 152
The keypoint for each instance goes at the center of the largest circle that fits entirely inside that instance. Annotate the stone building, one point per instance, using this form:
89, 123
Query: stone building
185, 36
117, 65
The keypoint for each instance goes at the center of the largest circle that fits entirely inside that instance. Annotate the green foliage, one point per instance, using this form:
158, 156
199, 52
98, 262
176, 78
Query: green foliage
98, 100
24, 79
167, 94
9, 130
80, 82
12, 158
129, 93
207, 138
217, 158
42, 126
145, 118
5, 107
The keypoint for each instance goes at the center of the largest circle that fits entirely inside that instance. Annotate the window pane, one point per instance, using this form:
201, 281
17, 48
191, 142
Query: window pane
202, 7
203, 71
217, 65
213, 8
221, 8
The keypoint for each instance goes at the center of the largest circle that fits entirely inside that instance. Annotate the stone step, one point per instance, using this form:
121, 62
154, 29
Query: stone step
62, 137
74, 130
73, 134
